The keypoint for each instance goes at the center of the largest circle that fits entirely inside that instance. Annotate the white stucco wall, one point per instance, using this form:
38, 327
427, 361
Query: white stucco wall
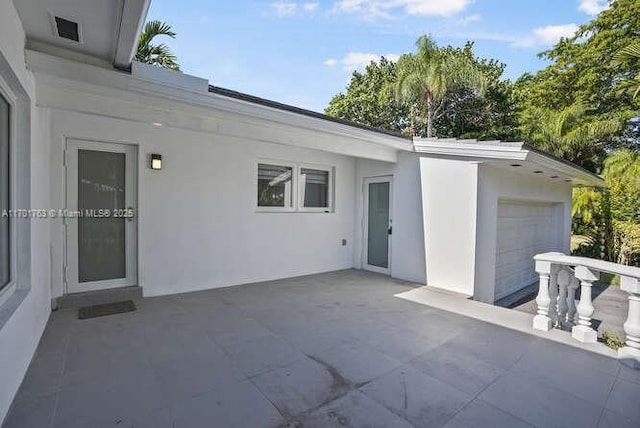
198, 226
23, 315
498, 184
449, 193
460, 206
407, 244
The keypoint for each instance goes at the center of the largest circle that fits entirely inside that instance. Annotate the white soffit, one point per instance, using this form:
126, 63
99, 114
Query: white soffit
108, 29
517, 156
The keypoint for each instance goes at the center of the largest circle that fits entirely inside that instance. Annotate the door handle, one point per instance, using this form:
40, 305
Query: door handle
390, 230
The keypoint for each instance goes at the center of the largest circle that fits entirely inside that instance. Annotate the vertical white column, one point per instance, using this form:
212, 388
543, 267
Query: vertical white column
571, 300
630, 353
542, 321
564, 279
553, 294
583, 331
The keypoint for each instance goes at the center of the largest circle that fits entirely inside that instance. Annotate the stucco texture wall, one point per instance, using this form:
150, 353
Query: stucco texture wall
198, 226
23, 315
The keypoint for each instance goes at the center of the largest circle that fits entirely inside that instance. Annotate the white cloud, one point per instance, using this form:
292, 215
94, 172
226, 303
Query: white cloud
546, 36
308, 7
284, 9
353, 61
466, 20
372, 9
593, 7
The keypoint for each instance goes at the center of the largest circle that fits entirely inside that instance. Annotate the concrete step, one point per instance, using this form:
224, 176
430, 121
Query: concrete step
98, 297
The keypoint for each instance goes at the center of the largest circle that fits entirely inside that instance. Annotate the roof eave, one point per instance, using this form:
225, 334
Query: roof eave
516, 151
132, 18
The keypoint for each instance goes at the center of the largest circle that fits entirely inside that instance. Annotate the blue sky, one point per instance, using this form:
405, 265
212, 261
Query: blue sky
303, 52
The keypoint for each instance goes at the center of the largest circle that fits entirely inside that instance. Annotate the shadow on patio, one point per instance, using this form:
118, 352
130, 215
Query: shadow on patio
335, 349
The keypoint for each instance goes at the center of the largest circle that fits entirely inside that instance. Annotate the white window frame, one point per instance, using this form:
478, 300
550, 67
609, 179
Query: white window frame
297, 201
8, 290
301, 188
294, 184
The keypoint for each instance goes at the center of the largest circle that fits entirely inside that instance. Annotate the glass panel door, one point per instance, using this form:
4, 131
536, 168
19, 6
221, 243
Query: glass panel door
378, 213
378, 225
101, 233
101, 219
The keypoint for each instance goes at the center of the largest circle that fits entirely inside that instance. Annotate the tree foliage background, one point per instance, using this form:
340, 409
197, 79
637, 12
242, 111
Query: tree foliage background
584, 106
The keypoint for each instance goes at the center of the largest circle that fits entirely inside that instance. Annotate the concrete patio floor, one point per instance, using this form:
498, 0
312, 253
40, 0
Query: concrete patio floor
335, 349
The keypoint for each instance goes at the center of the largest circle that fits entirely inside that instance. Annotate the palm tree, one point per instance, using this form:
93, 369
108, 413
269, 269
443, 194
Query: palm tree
158, 54
630, 54
426, 78
570, 134
623, 164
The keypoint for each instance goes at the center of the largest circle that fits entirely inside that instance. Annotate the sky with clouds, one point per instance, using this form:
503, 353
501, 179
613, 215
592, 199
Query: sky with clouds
303, 52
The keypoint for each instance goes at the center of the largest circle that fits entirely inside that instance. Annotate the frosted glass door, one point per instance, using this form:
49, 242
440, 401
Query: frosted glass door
101, 234
378, 221
101, 220
378, 245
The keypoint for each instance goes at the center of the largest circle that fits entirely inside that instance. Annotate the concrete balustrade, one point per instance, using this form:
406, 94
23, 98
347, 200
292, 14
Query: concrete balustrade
560, 277
631, 351
583, 331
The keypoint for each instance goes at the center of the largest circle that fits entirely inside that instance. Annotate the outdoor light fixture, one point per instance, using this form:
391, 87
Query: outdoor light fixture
156, 161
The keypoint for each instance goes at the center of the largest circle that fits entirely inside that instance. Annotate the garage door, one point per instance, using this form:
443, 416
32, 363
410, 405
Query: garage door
524, 230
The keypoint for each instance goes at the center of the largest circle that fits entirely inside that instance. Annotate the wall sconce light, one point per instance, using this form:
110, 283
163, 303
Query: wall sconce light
156, 161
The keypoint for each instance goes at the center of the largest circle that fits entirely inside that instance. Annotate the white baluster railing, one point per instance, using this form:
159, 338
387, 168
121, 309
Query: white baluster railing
560, 277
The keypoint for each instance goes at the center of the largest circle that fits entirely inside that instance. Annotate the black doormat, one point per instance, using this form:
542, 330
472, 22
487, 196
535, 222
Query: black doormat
106, 309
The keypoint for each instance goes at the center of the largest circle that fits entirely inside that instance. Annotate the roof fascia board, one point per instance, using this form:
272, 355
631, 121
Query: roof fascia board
76, 72
505, 151
585, 177
475, 150
88, 99
132, 17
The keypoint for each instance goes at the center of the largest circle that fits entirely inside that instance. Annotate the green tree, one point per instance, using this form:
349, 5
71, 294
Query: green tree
158, 54
622, 175
426, 78
612, 213
570, 133
369, 99
582, 71
630, 55
488, 116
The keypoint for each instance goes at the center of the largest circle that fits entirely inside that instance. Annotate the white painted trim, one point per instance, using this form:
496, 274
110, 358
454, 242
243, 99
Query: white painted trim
5, 91
496, 150
134, 13
330, 198
365, 224
294, 184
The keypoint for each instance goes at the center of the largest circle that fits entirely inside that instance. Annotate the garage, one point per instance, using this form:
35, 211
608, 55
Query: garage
524, 229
